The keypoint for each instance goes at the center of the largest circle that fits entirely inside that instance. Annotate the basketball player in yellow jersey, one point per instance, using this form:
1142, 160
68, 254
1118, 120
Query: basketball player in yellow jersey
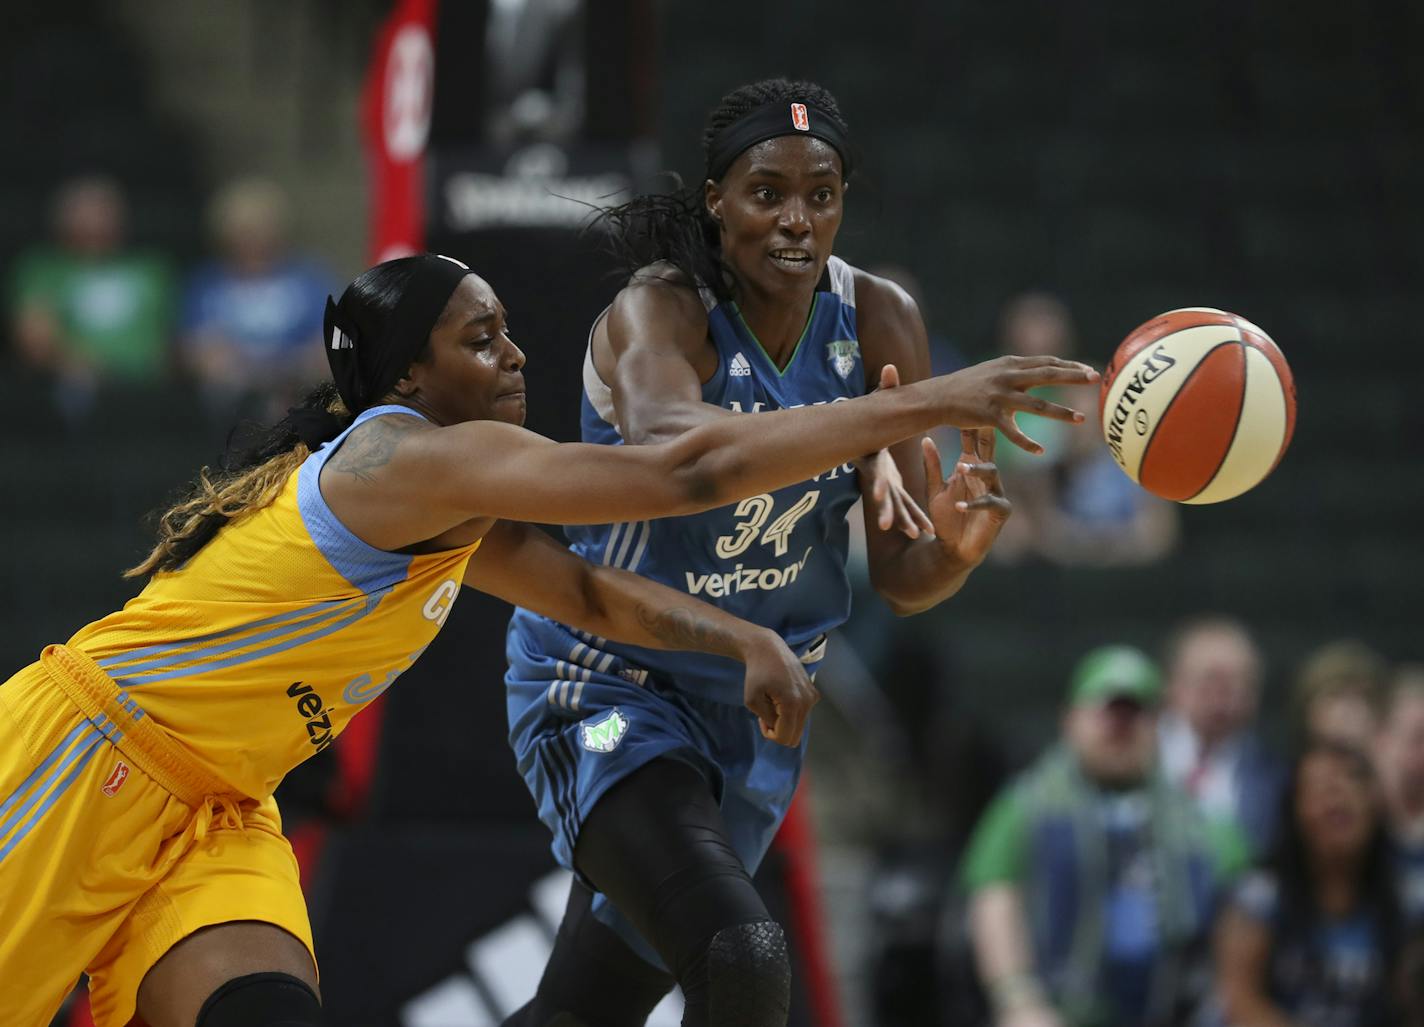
138, 836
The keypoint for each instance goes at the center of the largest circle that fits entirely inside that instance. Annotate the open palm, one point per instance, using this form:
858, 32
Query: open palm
969, 507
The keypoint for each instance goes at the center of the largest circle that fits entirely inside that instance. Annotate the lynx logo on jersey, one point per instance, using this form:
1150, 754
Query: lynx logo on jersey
604, 735
842, 353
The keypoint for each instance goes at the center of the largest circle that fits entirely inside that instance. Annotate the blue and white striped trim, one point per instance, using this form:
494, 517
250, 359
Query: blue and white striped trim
27, 805
627, 542
566, 690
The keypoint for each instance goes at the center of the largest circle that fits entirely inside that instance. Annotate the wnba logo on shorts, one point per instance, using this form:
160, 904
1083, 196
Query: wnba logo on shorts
799, 119
116, 779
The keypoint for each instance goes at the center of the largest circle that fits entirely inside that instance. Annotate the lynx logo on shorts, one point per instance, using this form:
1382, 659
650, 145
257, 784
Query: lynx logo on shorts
116, 779
842, 353
799, 119
604, 735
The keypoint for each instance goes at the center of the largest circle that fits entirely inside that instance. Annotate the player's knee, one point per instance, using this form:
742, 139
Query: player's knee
749, 975
261, 1000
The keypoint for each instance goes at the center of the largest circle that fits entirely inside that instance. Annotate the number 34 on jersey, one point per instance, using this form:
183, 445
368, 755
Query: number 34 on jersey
758, 522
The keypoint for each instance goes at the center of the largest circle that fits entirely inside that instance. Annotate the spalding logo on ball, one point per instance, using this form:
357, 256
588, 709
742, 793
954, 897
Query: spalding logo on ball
1197, 405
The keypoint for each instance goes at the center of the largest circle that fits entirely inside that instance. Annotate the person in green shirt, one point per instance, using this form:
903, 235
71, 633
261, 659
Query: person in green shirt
86, 309
1091, 881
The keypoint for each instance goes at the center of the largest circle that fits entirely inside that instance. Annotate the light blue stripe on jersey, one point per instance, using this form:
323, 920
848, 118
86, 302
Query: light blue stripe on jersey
289, 627
167, 647
291, 642
366, 567
25, 818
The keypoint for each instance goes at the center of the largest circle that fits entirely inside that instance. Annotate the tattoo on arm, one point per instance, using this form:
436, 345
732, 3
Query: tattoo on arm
369, 448
686, 629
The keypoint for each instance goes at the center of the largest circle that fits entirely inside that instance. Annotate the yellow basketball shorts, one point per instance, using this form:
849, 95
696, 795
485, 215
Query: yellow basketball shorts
114, 846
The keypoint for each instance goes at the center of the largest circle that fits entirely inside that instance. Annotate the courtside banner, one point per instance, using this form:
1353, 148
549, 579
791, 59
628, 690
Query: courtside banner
396, 107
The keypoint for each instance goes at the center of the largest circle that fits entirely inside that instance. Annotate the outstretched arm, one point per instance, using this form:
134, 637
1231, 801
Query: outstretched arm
522, 565
406, 482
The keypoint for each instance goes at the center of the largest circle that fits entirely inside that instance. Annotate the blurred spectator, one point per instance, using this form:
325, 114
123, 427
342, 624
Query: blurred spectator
1209, 747
86, 309
1091, 879
252, 318
1072, 505
1399, 759
1339, 693
1316, 938
945, 357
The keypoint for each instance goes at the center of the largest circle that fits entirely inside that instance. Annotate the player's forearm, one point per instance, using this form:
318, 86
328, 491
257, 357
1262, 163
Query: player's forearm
919, 575
734, 457
628, 608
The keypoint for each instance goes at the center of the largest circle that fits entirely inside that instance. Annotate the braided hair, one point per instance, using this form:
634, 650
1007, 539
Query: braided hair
674, 228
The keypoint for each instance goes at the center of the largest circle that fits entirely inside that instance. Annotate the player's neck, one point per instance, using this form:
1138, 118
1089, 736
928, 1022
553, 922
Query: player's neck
778, 320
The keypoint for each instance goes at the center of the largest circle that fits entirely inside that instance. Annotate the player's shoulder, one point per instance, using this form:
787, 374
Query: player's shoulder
663, 284
881, 297
659, 301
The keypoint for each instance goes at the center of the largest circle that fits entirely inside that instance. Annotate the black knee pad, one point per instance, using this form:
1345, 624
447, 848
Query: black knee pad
261, 1000
749, 976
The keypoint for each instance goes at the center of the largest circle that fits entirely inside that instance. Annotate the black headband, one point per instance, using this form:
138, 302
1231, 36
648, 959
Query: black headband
779, 118
366, 368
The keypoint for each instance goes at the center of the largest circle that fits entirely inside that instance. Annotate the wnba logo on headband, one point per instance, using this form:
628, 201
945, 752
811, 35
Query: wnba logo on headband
769, 121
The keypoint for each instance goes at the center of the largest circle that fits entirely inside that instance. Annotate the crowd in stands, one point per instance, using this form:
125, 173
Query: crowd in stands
88, 311
1159, 866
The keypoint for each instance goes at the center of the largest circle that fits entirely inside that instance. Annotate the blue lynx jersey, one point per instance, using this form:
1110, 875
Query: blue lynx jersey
776, 559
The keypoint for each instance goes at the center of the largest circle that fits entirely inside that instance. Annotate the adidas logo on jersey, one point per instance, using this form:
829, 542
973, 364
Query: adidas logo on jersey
740, 368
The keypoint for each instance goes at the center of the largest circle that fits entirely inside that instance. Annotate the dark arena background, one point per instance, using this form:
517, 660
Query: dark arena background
1089, 164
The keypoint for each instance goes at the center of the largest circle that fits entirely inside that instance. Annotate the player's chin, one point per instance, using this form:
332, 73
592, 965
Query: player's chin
511, 408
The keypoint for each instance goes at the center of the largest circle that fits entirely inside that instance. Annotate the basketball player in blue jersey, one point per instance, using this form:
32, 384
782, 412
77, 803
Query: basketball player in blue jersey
662, 790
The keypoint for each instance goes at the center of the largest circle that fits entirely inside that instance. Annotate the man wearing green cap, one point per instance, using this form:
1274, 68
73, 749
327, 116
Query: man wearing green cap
1091, 880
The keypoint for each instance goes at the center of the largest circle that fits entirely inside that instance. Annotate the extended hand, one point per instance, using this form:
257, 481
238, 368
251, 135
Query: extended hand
969, 507
890, 504
778, 689
988, 395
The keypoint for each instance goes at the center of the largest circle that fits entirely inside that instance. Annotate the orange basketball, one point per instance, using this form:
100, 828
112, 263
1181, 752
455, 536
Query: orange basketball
1197, 405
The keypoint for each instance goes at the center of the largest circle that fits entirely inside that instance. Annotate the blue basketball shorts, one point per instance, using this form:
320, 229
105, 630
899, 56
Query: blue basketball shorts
582, 719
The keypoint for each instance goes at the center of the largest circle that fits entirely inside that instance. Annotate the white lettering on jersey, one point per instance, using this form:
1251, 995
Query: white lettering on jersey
437, 607
746, 579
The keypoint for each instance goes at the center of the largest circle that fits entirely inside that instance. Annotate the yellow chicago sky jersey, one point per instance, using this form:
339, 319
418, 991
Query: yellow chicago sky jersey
256, 652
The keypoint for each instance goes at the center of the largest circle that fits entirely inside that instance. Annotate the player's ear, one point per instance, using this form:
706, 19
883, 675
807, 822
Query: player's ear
712, 197
408, 384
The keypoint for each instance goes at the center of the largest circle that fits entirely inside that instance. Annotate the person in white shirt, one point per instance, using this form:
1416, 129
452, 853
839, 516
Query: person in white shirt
1208, 744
